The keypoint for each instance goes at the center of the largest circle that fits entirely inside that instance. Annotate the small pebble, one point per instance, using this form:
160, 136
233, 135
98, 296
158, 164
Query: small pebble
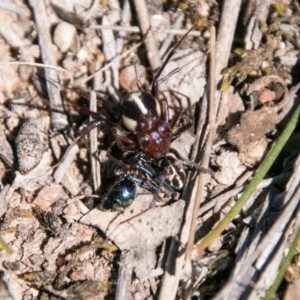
65, 37
32, 142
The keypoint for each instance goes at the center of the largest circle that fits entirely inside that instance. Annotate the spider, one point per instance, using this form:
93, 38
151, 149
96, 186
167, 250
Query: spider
141, 124
145, 125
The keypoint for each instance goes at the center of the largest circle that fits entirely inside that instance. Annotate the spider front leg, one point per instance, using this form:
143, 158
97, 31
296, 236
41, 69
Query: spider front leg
164, 110
118, 162
124, 142
190, 117
156, 81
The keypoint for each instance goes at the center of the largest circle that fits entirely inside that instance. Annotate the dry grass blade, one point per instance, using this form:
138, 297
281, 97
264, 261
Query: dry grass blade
95, 164
205, 161
268, 247
136, 29
58, 119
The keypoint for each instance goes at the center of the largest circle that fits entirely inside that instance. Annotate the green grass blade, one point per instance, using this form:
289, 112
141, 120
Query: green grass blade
261, 172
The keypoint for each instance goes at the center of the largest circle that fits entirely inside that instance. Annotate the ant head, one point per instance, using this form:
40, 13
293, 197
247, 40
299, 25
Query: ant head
175, 172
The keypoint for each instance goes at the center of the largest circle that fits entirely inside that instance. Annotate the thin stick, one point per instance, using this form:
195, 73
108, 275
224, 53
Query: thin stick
65, 164
145, 25
205, 161
59, 119
95, 164
124, 276
226, 33
136, 29
170, 282
18, 9
43, 66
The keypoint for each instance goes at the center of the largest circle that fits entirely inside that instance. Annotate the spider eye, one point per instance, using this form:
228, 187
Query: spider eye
164, 129
145, 140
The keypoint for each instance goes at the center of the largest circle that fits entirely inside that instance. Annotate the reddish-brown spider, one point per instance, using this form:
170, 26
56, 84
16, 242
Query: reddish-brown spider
145, 126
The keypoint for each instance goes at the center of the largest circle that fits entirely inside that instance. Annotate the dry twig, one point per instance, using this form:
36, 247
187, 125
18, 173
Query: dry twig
58, 118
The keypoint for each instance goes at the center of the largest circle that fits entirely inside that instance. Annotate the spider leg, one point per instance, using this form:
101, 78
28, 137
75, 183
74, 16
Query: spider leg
164, 110
163, 79
156, 82
190, 117
117, 161
175, 117
124, 142
138, 78
85, 131
174, 71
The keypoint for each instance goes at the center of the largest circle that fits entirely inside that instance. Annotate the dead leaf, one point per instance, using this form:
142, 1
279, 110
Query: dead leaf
230, 168
37, 177
48, 195
253, 127
139, 229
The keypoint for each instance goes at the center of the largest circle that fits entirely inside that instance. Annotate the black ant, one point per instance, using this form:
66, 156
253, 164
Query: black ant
121, 194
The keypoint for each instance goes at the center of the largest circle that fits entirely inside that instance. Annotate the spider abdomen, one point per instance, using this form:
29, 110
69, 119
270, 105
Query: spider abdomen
140, 111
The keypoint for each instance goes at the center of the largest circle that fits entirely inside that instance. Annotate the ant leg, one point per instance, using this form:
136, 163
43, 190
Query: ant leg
190, 163
118, 162
162, 183
148, 170
149, 187
122, 138
155, 82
